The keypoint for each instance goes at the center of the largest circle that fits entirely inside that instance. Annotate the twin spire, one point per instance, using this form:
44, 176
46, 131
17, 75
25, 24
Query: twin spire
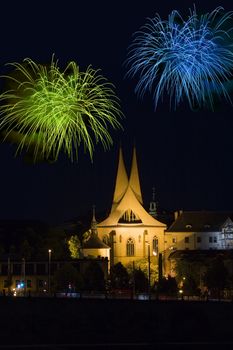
123, 182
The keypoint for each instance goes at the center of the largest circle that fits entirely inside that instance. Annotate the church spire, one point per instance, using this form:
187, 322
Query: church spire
134, 177
153, 205
93, 223
121, 181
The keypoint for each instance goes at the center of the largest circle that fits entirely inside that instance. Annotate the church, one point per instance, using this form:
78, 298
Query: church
130, 231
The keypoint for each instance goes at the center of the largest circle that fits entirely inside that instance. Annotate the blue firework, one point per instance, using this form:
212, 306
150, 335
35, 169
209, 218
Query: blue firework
190, 58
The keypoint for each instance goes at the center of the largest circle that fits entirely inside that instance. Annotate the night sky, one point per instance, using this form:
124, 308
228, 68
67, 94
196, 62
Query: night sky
185, 155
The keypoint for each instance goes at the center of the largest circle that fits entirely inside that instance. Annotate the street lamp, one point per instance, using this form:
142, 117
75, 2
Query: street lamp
49, 270
149, 273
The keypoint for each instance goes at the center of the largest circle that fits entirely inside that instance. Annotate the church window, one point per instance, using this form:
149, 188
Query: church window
106, 240
129, 217
188, 226
120, 238
130, 247
155, 245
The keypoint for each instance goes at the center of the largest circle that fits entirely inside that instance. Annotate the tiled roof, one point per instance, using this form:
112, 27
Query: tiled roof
94, 242
200, 254
199, 221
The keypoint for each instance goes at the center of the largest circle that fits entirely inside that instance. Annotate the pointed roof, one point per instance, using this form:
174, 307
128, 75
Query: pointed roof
128, 198
134, 178
121, 181
94, 242
130, 201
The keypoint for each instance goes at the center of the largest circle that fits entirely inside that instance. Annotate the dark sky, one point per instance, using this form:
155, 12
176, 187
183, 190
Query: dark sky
186, 155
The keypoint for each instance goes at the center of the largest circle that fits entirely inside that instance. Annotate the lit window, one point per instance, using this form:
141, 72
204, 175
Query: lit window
155, 245
130, 247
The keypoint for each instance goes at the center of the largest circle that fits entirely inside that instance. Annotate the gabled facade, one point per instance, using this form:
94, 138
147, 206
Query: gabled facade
130, 231
200, 230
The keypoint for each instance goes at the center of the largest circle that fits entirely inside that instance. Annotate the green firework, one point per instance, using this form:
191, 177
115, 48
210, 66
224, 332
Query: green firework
49, 111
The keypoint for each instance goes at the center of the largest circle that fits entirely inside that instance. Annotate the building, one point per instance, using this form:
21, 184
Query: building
94, 246
200, 230
20, 277
130, 231
133, 233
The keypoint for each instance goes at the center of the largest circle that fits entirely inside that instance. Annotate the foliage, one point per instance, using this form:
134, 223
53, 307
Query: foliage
215, 278
119, 276
140, 281
142, 264
189, 270
68, 278
190, 286
190, 59
47, 110
74, 246
25, 250
55, 240
94, 277
167, 286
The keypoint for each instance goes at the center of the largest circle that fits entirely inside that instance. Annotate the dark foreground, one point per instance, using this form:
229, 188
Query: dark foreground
114, 324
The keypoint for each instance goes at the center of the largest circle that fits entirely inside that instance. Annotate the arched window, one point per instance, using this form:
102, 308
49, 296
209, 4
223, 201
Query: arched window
155, 245
106, 239
130, 247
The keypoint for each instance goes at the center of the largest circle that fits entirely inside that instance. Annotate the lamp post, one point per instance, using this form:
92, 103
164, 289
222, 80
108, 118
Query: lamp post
24, 276
149, 273
49, 270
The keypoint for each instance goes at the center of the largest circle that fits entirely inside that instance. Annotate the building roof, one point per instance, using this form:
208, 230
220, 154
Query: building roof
129, 201
199, 254
200, 221
94, 242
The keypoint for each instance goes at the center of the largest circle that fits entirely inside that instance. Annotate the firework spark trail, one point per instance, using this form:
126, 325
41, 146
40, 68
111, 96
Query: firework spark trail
190, 58
53, 111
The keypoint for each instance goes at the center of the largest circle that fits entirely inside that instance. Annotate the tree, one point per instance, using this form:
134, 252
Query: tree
119, 276
67, 278
140, 280
94, 277
25, 250
74, 246
216, 276
167, 286
188, 270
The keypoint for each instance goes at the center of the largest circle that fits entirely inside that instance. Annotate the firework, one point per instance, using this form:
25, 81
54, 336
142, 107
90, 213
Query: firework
49, 111
186, 59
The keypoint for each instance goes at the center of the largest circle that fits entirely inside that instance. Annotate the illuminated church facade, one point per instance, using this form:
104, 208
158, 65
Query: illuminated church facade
130, 231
